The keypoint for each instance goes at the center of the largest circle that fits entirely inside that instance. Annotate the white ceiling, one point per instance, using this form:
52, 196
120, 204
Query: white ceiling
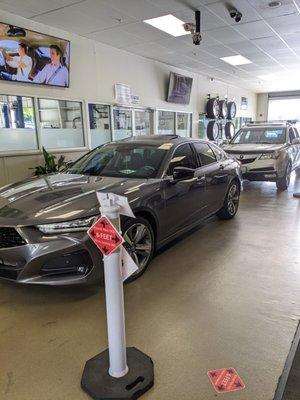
270, 38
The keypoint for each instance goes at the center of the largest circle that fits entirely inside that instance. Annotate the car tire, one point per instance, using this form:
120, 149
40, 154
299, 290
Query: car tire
231, 107
223, 109
134, 238
229, 130
284, 182
213, 108
231, 202
213, 130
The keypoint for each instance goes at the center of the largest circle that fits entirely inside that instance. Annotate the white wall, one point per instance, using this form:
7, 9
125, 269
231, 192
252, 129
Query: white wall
262, 107
96, 67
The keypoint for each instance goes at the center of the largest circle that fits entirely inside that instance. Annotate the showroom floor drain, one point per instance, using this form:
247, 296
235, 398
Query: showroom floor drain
289, 383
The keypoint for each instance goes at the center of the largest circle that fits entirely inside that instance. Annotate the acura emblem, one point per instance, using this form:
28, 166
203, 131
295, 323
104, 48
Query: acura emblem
241, 156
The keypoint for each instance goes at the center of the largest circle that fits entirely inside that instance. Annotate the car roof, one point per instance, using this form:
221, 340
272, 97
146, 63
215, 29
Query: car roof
158, 139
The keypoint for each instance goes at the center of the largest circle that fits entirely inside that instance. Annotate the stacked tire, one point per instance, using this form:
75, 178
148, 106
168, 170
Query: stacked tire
217, 110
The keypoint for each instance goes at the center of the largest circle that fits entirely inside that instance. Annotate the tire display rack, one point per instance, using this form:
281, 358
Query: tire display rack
220, 114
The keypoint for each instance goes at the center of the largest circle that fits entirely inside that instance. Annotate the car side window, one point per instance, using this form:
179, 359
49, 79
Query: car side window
291, 134
218, 153
183, 157
205, 153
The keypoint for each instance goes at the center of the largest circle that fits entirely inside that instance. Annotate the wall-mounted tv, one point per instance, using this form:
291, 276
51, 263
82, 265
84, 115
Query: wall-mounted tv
32, 57
180, 88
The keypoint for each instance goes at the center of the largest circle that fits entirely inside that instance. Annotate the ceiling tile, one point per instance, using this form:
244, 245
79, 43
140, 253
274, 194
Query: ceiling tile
221, 51
136, 8
255, 30
292, 40
220, 9
270, 43
116, 37
262, 6
30, 8
145, 32
85, 17
226, 35
287, 24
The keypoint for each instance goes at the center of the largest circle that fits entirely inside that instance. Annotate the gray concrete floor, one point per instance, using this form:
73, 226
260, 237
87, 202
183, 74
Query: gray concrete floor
227, 295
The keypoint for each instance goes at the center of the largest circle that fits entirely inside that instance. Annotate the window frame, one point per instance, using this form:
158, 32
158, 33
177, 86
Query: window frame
168, 161
175, 112
89, 130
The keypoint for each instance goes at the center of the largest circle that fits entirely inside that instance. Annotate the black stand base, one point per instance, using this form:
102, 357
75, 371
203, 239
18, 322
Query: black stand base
97, 382
297, 194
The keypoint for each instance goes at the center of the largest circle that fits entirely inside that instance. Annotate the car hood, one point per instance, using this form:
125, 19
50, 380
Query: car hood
252, 148
59, 197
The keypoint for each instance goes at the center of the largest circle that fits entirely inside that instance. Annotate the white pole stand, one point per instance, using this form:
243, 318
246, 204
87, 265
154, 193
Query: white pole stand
118, 372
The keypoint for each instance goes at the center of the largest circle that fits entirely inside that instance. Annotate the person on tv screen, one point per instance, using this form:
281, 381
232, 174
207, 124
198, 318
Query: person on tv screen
22, 62
54, 73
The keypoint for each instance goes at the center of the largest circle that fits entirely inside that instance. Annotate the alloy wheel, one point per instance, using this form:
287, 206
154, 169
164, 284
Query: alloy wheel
139, 243
233, 199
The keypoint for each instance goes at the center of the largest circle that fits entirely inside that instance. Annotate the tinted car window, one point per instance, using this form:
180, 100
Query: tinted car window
205, 153
183, 157
220, 155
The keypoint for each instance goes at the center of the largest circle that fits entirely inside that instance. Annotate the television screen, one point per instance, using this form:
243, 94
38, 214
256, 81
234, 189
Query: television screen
179, 89
32, 57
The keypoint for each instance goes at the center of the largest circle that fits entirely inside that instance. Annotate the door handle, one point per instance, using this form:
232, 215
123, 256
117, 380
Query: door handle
201, 179
221, 166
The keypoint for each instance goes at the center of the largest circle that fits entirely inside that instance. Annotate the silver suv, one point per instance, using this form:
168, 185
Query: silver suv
268, 151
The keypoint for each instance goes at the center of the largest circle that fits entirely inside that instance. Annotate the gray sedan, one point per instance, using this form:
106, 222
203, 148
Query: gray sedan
171, 183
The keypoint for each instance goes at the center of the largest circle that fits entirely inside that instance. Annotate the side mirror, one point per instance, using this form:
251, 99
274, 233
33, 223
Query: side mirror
181, 173
296, 141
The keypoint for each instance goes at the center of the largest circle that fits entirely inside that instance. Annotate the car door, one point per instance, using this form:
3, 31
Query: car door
183, 198
214, 166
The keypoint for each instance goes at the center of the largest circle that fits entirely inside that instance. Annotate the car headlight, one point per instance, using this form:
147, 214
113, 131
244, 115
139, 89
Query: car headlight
269, 156
76, 225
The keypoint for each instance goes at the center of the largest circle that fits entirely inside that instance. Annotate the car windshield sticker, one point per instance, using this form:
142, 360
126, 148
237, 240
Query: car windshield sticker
165, 146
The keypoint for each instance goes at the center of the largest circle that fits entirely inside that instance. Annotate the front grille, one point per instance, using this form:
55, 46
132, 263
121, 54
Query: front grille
265, 169
9, 237
247, 160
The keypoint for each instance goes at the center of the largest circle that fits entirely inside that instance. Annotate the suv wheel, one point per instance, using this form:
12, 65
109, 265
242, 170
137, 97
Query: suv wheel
231, 202
284, 182
139, 242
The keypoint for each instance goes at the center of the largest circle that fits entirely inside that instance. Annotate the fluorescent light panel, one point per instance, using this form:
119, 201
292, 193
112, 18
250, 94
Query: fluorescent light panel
236, 60
169, 24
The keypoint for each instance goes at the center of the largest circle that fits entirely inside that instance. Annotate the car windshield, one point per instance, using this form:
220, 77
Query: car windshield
260, 136
132, 160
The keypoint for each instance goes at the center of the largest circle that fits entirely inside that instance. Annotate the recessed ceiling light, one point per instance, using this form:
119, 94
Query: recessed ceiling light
274, 4
236, 60
168, 23
267, 77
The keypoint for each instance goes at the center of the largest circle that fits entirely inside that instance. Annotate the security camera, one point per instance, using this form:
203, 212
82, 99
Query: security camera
234, 13
189, 27
197, 38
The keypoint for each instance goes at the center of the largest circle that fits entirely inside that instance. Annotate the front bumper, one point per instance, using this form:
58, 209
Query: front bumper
255, 169
70, 259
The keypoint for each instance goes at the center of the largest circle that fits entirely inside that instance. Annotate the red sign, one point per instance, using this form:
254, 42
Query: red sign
226, 380
105, 236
